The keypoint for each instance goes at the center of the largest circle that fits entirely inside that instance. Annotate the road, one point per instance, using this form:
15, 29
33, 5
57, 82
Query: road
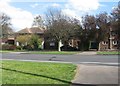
63, 58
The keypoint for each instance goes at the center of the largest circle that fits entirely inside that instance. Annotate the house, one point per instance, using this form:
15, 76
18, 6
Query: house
31, 31
7, 38
47, 44
112, 42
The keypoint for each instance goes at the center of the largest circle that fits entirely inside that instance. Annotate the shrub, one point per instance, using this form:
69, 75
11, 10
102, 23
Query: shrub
28, 47
35, 42
18, 48
8, 47
0, 46
12, 47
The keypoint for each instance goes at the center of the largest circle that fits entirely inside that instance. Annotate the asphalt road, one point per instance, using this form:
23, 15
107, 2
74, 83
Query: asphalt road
63, 58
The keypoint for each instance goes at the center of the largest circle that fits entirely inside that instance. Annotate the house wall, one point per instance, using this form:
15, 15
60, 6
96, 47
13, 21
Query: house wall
74, 43
50, 45
112, 42
114, 45
7, 41
103, 46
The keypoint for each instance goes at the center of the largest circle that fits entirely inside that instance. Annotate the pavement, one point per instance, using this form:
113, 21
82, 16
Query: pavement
96, 74
88, 53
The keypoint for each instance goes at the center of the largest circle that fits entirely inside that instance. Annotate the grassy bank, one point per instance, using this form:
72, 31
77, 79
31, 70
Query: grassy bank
108, 52
18, 72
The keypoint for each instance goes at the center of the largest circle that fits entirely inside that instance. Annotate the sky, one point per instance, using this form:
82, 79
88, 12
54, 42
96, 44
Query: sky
22, 12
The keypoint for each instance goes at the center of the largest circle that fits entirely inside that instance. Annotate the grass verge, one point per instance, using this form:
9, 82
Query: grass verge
55, 52
43, 52
19, 72
8, 51
108, 52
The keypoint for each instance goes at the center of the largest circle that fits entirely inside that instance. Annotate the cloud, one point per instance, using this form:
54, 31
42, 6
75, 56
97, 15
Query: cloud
83, 5
55, 5
22, 18
72, 13
19, 18
5, 0
34, 5
77, 8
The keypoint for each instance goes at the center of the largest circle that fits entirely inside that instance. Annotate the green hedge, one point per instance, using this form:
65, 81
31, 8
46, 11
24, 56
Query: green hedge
7, 47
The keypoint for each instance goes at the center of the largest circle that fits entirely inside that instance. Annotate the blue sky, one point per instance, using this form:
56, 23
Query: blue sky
41, 7
22, 12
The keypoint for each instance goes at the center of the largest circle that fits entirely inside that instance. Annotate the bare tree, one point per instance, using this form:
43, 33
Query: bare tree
103, 23
60, 27
89, 32
5, 25
38, 21
115, 23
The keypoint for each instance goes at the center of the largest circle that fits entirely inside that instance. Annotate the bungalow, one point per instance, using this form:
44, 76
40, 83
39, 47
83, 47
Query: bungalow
47, 44
29, 31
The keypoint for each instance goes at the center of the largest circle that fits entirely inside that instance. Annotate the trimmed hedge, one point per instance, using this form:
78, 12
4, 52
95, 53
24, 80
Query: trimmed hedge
8, 47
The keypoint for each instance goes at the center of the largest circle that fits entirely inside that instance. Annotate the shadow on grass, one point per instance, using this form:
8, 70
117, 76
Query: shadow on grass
66, 82
37, 75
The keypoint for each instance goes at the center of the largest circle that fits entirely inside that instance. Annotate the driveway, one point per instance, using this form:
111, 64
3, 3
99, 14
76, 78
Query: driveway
88, 53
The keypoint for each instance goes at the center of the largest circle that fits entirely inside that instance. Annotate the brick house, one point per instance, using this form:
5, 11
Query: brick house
112, 42
8, 38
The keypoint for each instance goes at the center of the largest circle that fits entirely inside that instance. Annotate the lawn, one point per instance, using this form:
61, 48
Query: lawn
20, 72
44, 52
55, 52
108, 52
8, 51
5, 51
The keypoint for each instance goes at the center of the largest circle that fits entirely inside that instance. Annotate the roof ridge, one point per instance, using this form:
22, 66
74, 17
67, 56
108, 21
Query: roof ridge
29, 30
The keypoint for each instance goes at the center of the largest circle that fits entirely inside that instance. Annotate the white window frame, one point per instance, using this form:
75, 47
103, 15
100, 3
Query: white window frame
115, 42
104, 42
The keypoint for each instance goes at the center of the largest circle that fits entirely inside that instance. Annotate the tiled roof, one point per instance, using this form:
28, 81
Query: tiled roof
26, 30
36, 30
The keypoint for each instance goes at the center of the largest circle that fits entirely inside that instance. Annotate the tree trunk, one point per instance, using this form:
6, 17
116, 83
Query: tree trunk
59, 45
99, 46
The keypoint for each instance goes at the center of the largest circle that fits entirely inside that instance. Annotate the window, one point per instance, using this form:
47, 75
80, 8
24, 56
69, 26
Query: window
52, 44
104, 43
115, 42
